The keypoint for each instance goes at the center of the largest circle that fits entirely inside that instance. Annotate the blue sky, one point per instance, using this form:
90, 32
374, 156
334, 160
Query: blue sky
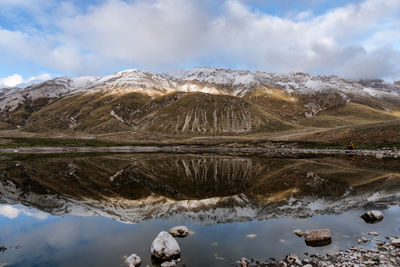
353, 39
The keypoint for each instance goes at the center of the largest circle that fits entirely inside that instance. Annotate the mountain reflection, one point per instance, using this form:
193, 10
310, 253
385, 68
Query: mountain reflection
212, 188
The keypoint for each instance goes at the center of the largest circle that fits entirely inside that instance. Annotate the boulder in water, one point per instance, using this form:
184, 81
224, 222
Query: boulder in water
372, 216
165, 247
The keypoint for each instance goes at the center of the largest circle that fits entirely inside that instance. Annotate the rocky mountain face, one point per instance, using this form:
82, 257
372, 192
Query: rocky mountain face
206, 188
195, 101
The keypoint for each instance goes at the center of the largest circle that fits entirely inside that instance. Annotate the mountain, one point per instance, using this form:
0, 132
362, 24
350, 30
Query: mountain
200, 101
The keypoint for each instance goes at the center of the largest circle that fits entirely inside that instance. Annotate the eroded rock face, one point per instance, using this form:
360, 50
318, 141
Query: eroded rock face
180, 231
133, 260
165, 247
318, 237
372, 216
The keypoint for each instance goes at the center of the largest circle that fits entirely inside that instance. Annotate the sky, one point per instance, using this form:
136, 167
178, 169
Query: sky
354, 39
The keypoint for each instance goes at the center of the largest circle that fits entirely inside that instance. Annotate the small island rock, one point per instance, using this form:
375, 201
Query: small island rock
165, 247
372, 216
180, 231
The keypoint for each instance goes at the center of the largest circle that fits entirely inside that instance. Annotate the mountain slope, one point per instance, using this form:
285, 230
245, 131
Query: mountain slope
201, 101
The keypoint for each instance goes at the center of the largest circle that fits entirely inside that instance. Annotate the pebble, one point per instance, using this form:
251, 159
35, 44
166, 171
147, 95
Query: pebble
298, 232
134, 260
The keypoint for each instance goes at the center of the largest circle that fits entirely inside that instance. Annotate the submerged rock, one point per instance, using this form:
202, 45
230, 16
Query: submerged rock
298, 232
165, 247
180, 231
318, 237
133, 260
168, 264
372, 216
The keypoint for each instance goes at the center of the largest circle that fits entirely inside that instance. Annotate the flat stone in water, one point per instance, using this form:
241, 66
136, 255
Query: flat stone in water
180, 231
318, 237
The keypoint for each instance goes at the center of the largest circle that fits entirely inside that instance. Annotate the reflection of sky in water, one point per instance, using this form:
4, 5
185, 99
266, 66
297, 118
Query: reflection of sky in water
47, 240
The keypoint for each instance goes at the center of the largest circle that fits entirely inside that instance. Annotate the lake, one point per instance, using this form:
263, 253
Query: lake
96, 209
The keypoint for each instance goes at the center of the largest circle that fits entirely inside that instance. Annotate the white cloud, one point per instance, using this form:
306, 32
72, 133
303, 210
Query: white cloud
11, 81
13, 212
41, 77
18, 80
357, 40
9, 212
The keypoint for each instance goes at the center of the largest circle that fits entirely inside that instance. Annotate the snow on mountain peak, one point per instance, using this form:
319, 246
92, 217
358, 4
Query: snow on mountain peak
202, 79
213, 75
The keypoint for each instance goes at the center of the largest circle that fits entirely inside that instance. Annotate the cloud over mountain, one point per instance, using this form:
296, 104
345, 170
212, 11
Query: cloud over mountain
359, 40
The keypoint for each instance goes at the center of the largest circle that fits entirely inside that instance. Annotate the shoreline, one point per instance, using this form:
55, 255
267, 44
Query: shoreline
379, 153
385, 254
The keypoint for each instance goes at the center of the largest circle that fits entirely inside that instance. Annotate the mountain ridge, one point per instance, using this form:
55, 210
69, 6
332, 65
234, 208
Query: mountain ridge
197, 101
178, 81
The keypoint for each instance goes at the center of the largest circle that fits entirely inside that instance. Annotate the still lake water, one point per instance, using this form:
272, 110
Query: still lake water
94, 210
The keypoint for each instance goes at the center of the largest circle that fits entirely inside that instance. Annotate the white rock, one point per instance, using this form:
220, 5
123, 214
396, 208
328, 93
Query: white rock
293, 259
180, 231
244, 262
133, 260
373, 233
164, 246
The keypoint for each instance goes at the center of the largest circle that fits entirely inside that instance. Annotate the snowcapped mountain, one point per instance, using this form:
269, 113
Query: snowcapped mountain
207, 80
200, 100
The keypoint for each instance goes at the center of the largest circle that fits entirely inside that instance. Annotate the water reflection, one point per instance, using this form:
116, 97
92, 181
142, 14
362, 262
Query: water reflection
237, 205
98, 241
208, 188
12, 212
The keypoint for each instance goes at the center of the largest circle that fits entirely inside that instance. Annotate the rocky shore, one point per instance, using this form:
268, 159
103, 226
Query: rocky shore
386, 254
380, 153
